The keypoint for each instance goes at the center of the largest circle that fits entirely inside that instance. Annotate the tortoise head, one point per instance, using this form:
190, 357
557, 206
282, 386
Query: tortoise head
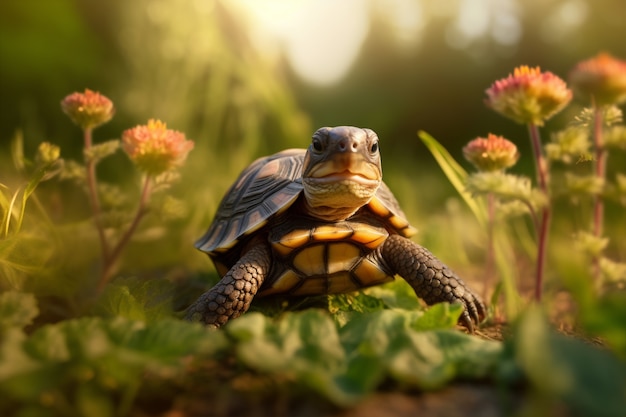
342, 171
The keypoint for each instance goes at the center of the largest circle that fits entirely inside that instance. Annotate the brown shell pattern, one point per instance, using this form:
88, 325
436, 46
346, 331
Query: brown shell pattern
269, 186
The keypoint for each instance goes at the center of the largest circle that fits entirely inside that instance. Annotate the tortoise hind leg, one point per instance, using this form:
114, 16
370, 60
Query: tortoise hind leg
430, 279
232, 295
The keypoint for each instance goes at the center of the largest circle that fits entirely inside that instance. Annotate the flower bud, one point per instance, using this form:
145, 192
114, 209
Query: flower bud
494, 153
601, 79
528, 96
89, 109
154, 148
47, 154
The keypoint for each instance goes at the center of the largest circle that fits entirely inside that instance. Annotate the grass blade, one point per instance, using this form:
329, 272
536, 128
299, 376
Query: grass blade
455, 174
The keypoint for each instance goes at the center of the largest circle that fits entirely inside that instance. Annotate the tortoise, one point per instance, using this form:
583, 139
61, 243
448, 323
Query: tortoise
318, 221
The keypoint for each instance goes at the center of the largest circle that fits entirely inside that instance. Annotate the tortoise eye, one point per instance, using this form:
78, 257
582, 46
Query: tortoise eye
374, 147
317, 145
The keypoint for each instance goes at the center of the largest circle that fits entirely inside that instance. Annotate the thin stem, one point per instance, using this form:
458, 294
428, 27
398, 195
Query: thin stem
600, 171
544, 225
108, 269
490, 267
92, 189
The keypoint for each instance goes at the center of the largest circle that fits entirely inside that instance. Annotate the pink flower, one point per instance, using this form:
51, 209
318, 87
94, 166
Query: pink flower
154, 148
602, 79
528, 96
89, 109
493, 153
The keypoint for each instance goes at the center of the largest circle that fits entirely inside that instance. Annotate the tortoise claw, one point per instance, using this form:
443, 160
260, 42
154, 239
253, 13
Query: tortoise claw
474, 312
466, 322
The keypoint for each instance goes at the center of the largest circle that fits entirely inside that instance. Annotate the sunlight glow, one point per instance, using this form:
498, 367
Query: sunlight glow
564, 20
321, 38
498, 19
404, 17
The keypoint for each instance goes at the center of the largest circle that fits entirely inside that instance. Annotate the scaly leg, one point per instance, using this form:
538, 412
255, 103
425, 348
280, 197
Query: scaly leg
232, 295
430, 279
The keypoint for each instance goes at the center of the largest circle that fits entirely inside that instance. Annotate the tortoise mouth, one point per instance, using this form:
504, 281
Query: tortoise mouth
345, 169
345, 175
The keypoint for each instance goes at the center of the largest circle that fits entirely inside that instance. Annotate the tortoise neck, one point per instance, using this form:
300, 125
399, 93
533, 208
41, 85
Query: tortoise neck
326, 213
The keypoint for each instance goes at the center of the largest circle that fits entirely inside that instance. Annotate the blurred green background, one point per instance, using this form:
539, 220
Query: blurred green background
244, 78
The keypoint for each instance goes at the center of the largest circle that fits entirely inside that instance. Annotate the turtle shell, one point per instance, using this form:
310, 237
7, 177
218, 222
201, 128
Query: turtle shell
268, 187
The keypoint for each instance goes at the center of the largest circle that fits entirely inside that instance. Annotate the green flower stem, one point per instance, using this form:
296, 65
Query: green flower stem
544, 224
600, 171
142, 209
92, 189
491, 220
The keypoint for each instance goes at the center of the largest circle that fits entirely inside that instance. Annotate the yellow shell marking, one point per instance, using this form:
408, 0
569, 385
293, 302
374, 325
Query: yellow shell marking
370, 274
334, 232
341, 283
342, 257
378, 208
288, 280
292, 240
311, 260
369, 236
312, 286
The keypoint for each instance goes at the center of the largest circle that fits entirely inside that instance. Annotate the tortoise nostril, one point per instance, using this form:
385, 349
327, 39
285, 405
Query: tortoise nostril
348, 144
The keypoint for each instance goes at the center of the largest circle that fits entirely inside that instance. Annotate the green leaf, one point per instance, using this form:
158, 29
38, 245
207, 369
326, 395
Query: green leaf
583, 185
569, 371
389, 342
506, 187
610, 116
301, 341
396, 294
569, 145
101, 150
97, 362
615, 137
17, 310
137, 299
439, 316
606, 319
344, 306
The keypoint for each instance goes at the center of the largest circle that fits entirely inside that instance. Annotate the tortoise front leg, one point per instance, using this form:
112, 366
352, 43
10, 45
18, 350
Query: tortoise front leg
232, 295
430, 279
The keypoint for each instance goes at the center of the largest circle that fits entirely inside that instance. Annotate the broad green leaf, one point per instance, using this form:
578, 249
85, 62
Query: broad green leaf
606, 318
97, 362
170, 340
439, 316
570, 371
387, 342
300, 341
344, 306
137, 299
396, 294
13, 359
17, 310
429, 360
